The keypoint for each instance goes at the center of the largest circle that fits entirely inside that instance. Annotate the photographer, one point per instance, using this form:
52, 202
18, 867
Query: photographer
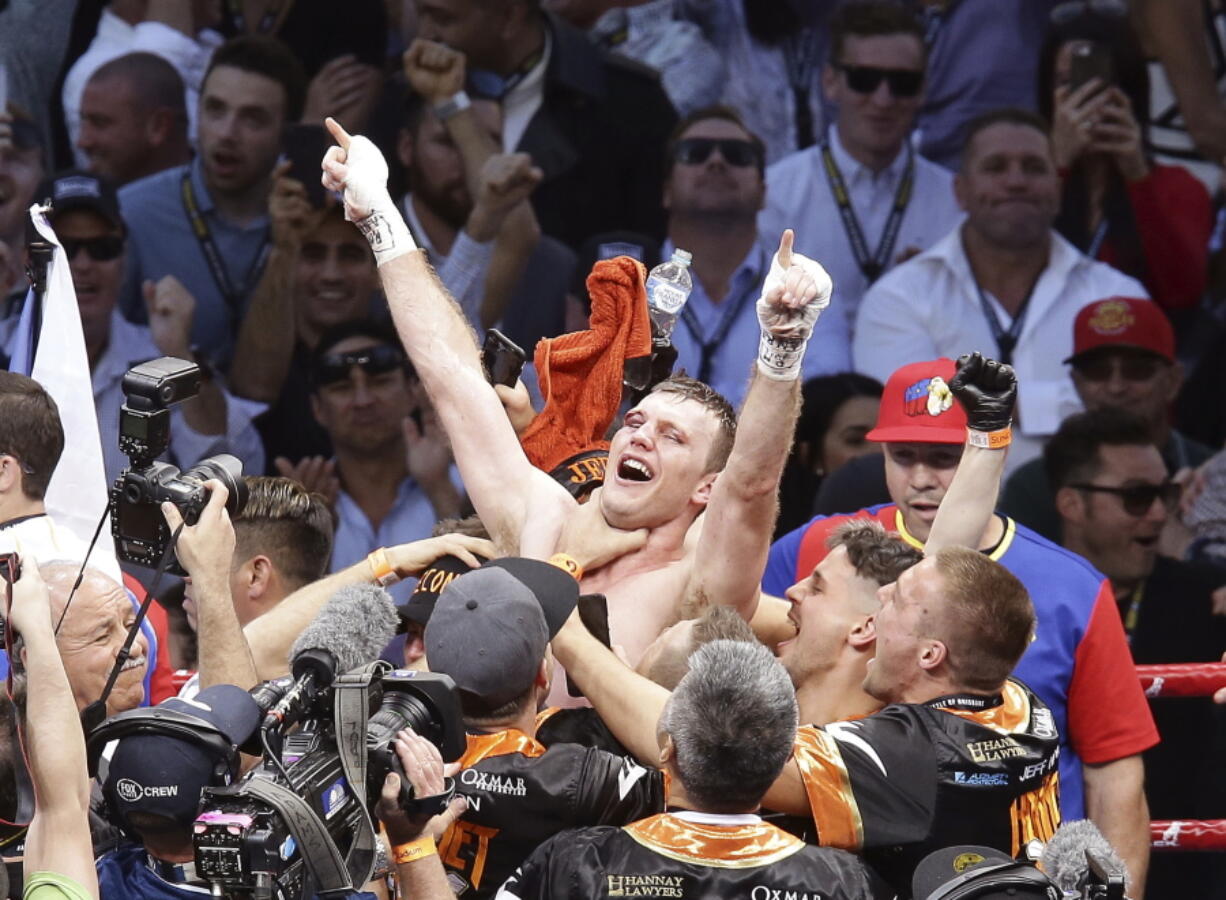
206, 551
490, 632
58, 854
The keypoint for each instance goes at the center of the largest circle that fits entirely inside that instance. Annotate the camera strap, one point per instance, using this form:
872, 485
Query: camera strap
318, 850
94, 714
351, 711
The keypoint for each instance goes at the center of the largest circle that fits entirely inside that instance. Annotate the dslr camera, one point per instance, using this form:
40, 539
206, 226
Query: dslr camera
273, 833
140, 531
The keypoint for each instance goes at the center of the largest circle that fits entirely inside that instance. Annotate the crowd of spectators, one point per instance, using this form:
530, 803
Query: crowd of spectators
328, 207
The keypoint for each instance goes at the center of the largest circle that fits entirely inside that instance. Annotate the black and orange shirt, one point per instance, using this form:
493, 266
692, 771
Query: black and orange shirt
913, 778
693, 856
521, 793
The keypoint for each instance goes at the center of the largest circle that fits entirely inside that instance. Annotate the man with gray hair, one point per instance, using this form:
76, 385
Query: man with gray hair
724, 737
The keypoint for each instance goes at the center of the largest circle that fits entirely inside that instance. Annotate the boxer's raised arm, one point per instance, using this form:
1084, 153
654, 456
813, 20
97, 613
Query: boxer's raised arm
503, 485
740, 517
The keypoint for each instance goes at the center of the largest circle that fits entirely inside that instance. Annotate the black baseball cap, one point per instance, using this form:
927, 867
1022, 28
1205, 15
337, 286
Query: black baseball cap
430, 584
490, 626
163, 774
982, 873
75, 189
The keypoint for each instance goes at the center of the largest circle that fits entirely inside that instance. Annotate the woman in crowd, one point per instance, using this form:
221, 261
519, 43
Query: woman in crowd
837, 412
1148, 220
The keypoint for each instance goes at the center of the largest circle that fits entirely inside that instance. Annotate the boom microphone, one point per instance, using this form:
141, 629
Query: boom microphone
1078, 856
350, 631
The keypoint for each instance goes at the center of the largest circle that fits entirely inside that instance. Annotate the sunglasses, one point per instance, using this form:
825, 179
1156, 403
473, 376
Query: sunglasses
1139, 498
866, 79
1073, 9
100, 249
696, 151
376, 360
1132, 368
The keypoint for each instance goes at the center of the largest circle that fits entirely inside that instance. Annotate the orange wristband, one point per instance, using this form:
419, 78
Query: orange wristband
414, 850
569, 563
381, 567
990, 440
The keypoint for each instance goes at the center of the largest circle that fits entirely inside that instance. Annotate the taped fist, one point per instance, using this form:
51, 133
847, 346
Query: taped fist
987, 390
794, 294
358, 169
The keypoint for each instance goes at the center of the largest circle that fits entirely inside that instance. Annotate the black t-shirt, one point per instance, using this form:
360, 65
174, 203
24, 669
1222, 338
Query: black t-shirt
914, 778
521, 793
670, 856
581, 725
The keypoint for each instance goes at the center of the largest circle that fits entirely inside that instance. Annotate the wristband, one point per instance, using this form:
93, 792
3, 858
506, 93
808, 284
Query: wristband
990, 440
386, 232
382, 568
452, 106
780, 358
569, 563
414, 850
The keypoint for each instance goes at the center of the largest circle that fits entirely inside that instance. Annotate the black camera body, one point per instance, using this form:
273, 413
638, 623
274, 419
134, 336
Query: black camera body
244, 846
140, 531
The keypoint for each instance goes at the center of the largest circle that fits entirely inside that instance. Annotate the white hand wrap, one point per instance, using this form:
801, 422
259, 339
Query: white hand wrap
786, 331
367, 202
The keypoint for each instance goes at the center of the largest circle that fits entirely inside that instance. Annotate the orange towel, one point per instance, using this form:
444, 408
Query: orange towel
580, 374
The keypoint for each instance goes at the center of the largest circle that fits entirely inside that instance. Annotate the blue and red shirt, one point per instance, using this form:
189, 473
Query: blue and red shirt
1079, 663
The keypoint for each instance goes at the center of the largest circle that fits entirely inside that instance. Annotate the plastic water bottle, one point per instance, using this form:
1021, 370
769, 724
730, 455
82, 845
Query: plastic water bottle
668, 287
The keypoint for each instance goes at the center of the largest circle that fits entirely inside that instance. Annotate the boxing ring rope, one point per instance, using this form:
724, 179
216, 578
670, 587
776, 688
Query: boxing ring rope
1184, 680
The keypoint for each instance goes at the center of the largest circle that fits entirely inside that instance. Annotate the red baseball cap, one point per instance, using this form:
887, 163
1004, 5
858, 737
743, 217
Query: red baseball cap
1123, 322
917, 405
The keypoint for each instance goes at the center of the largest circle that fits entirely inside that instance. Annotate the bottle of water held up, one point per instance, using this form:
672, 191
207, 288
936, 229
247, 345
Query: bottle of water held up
668, 287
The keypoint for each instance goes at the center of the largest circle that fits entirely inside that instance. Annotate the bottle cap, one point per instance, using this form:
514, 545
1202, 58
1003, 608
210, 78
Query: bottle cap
682, 256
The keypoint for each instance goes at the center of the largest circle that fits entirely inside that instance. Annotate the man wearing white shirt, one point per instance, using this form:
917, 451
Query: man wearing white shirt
863, 199
174, 31
1003, 282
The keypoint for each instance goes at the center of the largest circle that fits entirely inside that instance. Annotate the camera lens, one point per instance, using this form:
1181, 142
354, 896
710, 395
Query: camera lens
229, 471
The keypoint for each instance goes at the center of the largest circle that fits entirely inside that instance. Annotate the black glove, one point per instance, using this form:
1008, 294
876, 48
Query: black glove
987, 391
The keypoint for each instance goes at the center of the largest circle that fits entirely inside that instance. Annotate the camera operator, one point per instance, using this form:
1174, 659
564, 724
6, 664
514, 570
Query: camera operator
58, 853
152, 790
490, 633
724, 736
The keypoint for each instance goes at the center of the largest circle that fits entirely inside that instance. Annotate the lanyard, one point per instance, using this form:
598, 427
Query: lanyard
872, 266
1133, 613
269, 22
212, 256
1096, 240
800, 59
708, 346
1006, 341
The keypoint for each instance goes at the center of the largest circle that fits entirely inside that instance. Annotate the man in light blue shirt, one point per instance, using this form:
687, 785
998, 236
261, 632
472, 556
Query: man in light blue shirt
863, 199
206, 223
393, 465
713, 194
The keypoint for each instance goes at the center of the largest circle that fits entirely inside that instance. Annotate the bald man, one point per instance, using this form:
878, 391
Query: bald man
92, 634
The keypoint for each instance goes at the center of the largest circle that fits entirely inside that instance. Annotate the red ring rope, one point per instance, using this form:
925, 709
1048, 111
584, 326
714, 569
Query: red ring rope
1188, 834
1182, 679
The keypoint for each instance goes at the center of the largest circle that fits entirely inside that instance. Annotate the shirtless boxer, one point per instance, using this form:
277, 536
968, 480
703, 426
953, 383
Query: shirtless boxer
663, 462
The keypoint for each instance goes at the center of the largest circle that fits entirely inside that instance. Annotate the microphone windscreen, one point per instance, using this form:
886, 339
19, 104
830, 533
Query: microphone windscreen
1064, 857
354, 626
